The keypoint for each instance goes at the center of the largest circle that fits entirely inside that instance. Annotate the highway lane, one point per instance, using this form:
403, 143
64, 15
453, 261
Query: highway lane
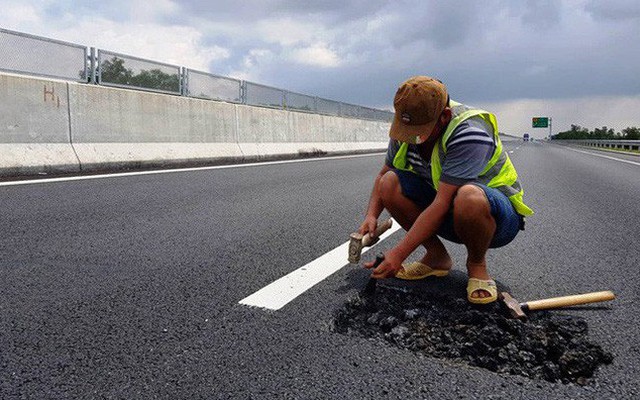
625, 157
128, 287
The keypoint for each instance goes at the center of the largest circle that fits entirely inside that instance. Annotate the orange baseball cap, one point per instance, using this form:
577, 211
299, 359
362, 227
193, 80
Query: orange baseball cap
418, 103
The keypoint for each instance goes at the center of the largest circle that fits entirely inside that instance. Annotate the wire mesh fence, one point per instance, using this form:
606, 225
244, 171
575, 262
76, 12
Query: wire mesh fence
126, 71
328, 107
256, 94
33, 55
300, 102
208, 86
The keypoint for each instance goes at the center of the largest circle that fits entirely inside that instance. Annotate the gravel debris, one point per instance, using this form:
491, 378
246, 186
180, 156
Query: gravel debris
548, 345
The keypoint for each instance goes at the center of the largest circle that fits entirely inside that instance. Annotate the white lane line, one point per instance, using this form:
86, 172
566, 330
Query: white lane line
603, 156
277, 294
169, 171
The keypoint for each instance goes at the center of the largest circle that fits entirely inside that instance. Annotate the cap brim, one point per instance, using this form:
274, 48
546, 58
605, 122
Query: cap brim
408, 133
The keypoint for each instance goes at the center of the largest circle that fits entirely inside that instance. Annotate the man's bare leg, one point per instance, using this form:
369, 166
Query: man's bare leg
406, 212
475, 226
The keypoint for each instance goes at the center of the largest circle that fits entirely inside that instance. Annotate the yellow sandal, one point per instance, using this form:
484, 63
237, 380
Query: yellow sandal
488, 285
417, 270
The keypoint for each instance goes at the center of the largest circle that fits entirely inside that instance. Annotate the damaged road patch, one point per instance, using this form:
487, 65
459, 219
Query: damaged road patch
548, 346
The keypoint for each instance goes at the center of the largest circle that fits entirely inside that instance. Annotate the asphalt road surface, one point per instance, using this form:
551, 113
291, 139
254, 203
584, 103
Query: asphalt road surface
129, 286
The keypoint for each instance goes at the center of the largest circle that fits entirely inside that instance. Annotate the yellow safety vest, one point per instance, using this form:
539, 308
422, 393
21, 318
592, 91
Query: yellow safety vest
499, 172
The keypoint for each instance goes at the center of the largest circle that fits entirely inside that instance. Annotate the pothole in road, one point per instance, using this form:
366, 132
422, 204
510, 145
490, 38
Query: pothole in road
548, 346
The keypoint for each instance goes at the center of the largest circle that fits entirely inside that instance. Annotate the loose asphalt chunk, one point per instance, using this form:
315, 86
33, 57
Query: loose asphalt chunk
548, 345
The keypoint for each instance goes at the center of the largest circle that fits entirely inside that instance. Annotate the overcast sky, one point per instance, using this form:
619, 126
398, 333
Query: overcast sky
577, 61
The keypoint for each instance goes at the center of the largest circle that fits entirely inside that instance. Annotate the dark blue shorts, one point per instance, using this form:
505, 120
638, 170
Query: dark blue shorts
508, 222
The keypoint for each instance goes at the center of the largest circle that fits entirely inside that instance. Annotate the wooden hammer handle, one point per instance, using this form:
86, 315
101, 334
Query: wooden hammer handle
382, 228
567, 301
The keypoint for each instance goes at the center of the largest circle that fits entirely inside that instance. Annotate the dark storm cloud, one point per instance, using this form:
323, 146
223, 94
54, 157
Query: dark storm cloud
443, 24
329, 11
614, 10
542, 13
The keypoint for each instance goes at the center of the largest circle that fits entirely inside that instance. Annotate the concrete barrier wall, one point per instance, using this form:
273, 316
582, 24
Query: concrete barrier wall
34, 126
119, 128
51, 126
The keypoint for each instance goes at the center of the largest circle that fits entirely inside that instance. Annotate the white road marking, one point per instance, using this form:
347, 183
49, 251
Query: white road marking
168, 171
511, 152
603, 156
277, 294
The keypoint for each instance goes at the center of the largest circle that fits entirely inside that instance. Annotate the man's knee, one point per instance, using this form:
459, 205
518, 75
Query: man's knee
389, 186
471, 202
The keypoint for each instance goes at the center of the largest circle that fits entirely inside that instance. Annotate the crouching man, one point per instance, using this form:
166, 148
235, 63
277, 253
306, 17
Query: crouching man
446, 175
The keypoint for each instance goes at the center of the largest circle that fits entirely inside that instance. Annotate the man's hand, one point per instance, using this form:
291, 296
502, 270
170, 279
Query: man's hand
369, 225
388, 268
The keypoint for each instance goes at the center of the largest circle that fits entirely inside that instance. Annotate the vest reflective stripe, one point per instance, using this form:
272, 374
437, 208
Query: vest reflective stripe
499, 172
494, 170
461, 113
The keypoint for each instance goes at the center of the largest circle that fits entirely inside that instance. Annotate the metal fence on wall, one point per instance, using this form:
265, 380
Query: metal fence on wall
126, 71
208, 86
300, 102
256, 94
34, 55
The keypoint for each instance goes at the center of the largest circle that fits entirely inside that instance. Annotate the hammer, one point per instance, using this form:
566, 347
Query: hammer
517, 310
370, 289
358, 241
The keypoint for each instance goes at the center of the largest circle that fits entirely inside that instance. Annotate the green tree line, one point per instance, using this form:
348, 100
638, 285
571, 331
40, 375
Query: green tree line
604, 133
114, 71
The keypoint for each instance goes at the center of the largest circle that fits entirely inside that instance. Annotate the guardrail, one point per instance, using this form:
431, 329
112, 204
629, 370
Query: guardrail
502, 134
608, 144
34, 55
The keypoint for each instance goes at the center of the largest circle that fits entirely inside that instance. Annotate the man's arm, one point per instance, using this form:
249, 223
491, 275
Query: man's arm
425, 226
375, 204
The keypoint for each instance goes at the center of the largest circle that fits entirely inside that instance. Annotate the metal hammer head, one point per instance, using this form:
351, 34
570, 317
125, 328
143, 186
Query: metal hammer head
358, 241
355, 247
512, 305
